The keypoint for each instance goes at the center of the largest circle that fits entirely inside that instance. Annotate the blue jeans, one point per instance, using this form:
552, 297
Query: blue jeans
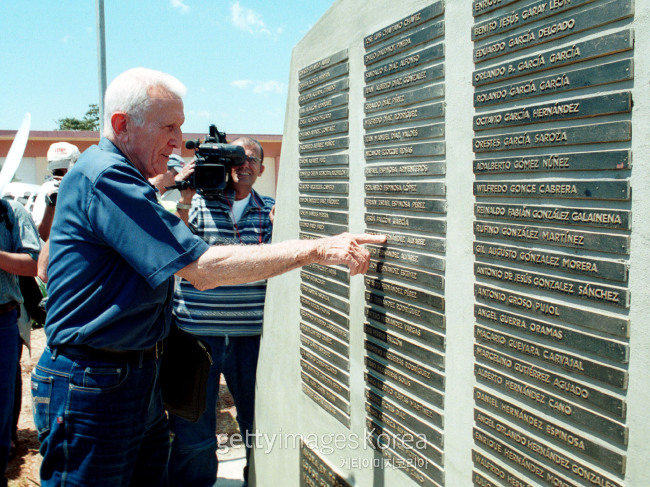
193, 459
9, 347
100, 423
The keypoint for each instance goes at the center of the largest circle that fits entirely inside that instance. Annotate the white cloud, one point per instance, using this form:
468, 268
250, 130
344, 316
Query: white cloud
248, 20
259, 87
179, 4
242, 83
67, 38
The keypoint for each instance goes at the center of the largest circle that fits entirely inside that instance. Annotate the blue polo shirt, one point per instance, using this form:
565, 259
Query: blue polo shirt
113, 253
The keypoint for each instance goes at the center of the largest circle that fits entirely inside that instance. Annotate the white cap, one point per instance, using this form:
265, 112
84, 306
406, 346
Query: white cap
61, 155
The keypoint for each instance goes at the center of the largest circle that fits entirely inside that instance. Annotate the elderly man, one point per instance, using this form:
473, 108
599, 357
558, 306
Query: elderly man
114, 251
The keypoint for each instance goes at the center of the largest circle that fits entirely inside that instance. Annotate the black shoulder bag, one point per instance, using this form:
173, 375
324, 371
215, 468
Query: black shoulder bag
184, 370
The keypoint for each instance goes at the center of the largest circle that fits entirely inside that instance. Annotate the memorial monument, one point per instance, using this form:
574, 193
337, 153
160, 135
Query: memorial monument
499, 337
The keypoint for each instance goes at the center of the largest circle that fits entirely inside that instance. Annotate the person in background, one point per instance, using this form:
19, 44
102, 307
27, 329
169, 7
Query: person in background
228, 318
19, 247
167, 179
61, 156
114, 252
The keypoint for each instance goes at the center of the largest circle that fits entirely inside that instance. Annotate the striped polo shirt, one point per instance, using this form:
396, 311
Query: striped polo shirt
225, 310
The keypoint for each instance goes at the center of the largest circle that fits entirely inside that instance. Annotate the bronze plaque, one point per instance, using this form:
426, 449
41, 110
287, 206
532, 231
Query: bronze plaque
409, 61
323, 77
589, 217
576, 264
329, 202
418, 242
385, 321
426, 205
406, 43
555, 357
554, 406
591, 189
614, 325
405, 134
571, 440
521, 16
330, 89
575, 108
406, 347
322, 130
540, 450
323, 160
319, 106
516, 458
398, 413
325, 353
409, 384
399, 188
323, 64
404, 98
406, 115
577, 161
326, 298
319, 468
555, 57
557, 84
417, 78
380, 269
340, 188
560, 236
325, 339
601, 293
556, 29
324, 367
569, 387
410, 22
402, 256
408, 223
405, 170
325, 145
556, 137
323, 403
336, 287
567, 337
376, 377
341, 389
406, 293
407, 310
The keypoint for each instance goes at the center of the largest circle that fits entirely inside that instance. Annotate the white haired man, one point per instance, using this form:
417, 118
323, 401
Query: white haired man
114, 251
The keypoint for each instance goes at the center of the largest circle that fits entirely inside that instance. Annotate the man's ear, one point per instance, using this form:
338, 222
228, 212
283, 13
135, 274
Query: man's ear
119, 123
262, 169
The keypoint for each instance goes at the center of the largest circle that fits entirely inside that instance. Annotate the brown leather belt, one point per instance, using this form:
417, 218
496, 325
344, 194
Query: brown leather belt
107, 355
10, 306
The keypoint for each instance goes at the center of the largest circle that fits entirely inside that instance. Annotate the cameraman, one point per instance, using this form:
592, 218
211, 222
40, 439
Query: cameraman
228, 318
61, 156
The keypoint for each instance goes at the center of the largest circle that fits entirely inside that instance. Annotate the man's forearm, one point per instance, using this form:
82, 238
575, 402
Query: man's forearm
19, 264
237, 264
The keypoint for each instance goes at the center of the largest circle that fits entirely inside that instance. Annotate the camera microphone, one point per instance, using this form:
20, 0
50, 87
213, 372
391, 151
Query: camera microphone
191, 144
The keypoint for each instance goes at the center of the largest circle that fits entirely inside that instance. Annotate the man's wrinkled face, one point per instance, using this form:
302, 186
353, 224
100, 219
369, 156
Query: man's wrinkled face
245, 175
150, 144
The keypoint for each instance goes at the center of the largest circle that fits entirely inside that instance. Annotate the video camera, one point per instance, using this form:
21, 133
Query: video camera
214, 159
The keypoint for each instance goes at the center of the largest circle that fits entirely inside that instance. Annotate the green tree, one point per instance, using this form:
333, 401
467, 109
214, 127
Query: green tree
89, 122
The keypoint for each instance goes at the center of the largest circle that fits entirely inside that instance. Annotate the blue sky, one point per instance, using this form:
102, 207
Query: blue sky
233, 56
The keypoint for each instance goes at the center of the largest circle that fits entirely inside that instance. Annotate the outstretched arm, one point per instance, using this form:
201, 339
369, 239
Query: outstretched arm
237, 264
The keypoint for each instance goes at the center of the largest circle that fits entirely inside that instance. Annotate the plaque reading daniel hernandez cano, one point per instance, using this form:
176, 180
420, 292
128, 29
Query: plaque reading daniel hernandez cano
552, 234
